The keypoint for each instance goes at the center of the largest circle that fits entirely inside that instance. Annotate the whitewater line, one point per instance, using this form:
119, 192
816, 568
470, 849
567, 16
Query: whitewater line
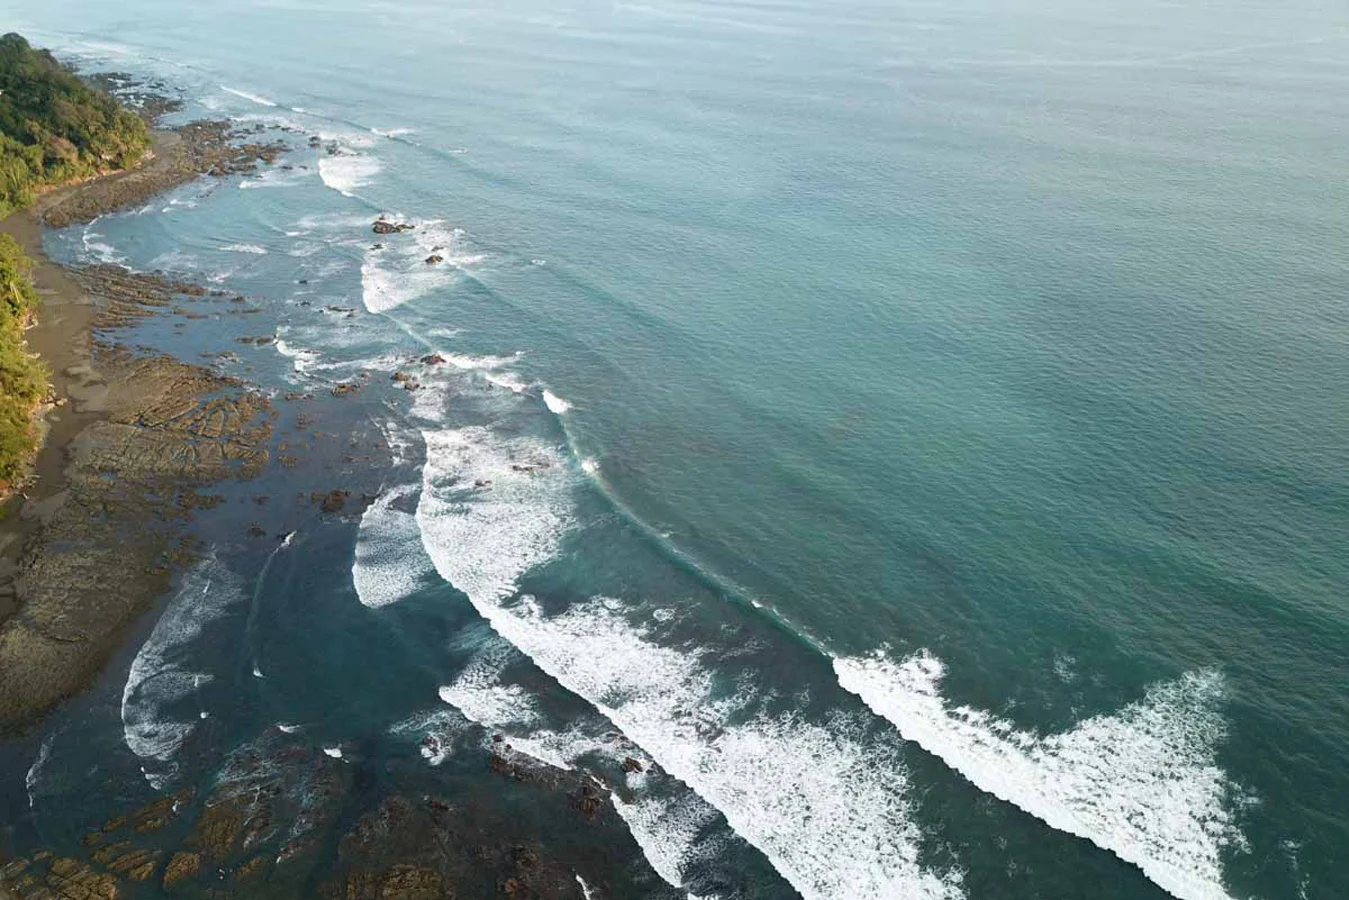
826, 807
1142, 783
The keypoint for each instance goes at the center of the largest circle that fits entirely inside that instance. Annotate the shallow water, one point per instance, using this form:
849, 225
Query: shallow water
920, 429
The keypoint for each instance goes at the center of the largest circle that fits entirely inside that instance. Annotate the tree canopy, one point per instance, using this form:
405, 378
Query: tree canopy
23, 378
54, 127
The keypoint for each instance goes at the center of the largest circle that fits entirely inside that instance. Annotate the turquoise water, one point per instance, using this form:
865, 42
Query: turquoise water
943, 468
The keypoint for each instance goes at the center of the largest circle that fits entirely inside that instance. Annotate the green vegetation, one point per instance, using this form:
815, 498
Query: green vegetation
54, 127
23, 378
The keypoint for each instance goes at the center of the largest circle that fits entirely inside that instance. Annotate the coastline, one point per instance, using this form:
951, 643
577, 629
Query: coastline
106, 460
137, 444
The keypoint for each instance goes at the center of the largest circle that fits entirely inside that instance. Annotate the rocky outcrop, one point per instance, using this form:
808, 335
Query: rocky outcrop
178, 156
182, 867
115, 534
384, 226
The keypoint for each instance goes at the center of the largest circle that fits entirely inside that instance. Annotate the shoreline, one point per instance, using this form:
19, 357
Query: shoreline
106, 459
132, 414
62, 338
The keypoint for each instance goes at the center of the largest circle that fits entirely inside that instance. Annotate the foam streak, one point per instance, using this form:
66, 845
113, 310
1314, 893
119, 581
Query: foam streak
1142, 783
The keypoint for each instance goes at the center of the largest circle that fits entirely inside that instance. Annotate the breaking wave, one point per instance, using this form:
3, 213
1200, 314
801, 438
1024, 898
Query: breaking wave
555, 404
825, 805
348, 172
248, 95
389, 565
402, 267
673, 826
1142, 783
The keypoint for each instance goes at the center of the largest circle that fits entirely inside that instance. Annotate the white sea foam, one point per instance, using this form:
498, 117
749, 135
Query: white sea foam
667, 831
302, 358
44, 752
175, 260
827, 807
334, 752
510, 381
347, 173
287, 729
162, 675
585, 888
436, 731
1142, 783
399, 272
490, 509
482, 697
479, 363
824, 804
304, 249
248, 95
668, 828
479, 694
98, 249
393, 132
245, 248
389, 563
555, 404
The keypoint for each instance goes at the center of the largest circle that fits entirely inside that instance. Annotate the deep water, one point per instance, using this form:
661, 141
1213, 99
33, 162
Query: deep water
919, 428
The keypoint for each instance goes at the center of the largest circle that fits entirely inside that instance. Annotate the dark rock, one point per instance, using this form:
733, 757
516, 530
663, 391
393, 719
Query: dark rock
335, 500
631, 765
384, 226
434, 258
433, 359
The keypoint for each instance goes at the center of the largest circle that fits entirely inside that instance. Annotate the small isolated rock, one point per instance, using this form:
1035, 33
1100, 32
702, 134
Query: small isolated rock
334, 500
631, 765
183, 865
434, 258
433, 359
256, 530
384, 226
347, 387
402, 377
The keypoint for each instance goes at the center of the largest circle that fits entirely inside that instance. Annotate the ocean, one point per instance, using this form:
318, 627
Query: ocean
920, 429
